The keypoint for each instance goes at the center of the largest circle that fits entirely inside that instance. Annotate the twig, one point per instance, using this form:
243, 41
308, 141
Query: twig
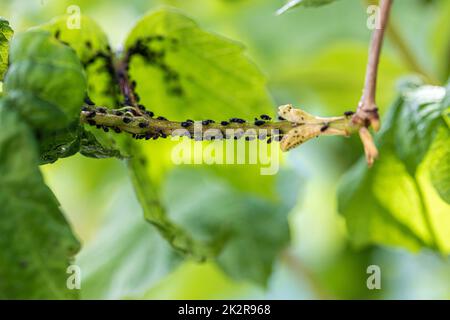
367, 113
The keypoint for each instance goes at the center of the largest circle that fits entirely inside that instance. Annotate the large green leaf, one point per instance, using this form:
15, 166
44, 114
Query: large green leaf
6, 34
92, 48
408, 215
46, 85
186, 72
306, 3
36, 243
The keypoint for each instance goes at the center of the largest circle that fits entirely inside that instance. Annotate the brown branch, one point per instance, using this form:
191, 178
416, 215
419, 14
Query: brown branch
367, 112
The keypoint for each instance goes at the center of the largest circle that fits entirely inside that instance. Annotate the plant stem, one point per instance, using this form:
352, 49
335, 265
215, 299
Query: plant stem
144, 126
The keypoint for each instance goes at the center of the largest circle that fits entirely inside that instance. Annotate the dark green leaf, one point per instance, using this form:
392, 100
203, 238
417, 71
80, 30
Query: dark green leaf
440, 164
36, 243
6, 34
418, 121
46, 85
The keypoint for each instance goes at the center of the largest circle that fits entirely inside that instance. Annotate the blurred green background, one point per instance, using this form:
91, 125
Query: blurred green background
313, 58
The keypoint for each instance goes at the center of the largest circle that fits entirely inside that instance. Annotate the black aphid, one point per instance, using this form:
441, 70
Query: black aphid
148, 136
324, 128
85, 109
186, 124
92, 122
57, 34
118, 113
117, 130
207, 122
269, 140
143, 124
106, 129
224, 123
348, 113
149, 113
161, 118
127, 119
102, 110
281, 119
237, 120
141, 107
91, 115
98, 126
265, 117
259, 122
249, 138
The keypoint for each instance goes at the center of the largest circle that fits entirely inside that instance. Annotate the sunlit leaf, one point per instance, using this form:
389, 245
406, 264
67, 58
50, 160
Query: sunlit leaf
6, 34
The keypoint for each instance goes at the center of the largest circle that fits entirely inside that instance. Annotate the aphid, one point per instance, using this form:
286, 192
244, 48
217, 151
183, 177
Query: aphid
348, 113
88, 44
92, 122
141, 107
207, 122
148, 136
269, 140
91, 115
106, 129
186, 124
190, 121
237, 120
143, 124
85, 109
161, 118
163, 135
127, 119
281, 118
118, 113
249, 138
259, 122
224, 123
117, 130
101, 110
265, 117
98, 126
57, 34
88, 101
149, 113
324, 128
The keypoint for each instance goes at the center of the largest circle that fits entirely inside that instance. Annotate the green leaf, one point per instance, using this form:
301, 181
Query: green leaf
219, 78
92, 48
46, 85
6, 34
440, 164
418, 121
306, 3
249, 230
36, 243
408, 215
99, 146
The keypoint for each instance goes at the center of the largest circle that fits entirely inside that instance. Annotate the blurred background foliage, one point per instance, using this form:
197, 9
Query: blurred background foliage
312, 58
